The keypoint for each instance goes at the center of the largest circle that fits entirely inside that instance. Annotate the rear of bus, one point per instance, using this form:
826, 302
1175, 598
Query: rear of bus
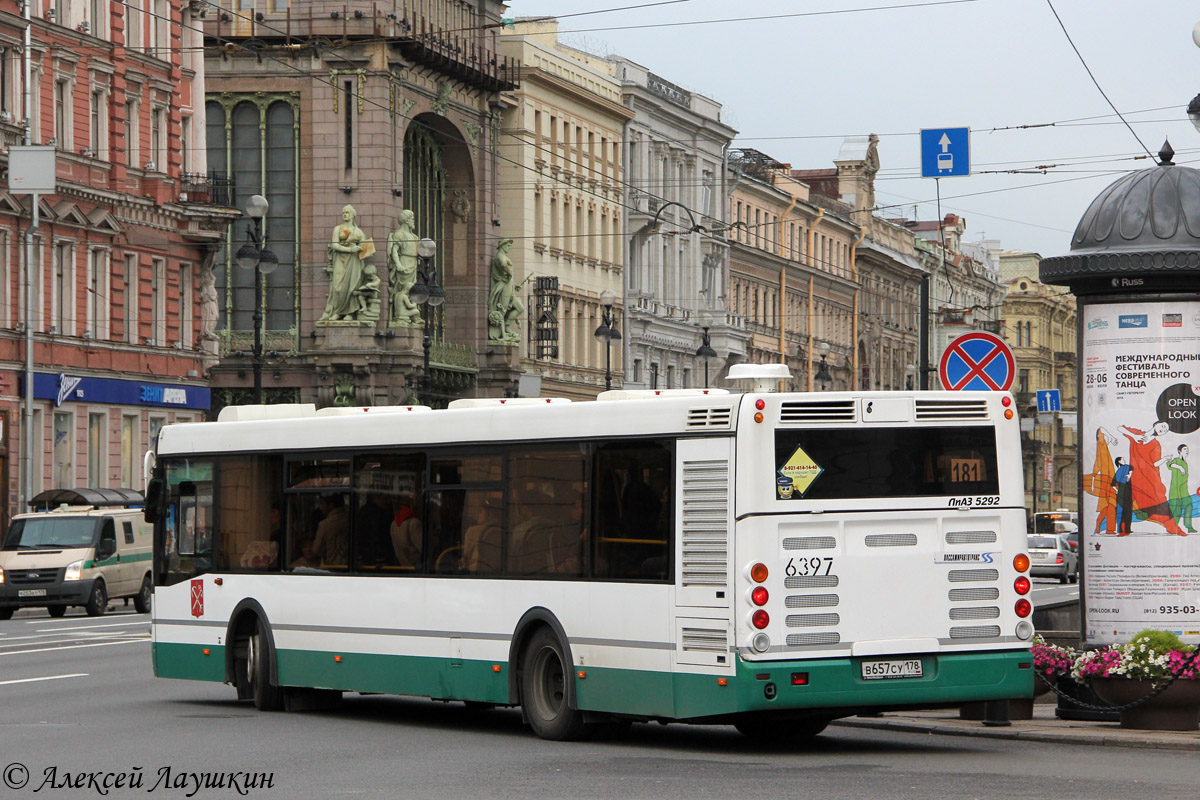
879, 552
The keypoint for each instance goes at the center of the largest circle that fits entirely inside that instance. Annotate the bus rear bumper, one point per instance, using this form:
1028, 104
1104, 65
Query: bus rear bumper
835, 687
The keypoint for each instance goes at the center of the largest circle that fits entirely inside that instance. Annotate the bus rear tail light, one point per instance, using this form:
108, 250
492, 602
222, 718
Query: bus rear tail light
762, 619
760, 404
759, 572
759, 596
1023, 608
1021, 562
1022, 585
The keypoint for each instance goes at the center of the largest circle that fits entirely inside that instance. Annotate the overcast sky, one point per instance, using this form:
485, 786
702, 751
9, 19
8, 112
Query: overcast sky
795, 86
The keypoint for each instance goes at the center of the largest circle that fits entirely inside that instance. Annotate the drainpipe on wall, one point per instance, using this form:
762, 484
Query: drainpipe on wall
812, 234
862, 234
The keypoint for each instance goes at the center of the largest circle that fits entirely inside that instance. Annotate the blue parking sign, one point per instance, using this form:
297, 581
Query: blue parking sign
945, 152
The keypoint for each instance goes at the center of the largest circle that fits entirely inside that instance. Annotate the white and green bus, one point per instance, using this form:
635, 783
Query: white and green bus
768, 560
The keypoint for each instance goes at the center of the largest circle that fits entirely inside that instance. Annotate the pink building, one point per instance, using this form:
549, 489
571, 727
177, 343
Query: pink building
123, 251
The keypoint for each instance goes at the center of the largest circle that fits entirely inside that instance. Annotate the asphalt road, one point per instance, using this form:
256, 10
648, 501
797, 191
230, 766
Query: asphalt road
77, 696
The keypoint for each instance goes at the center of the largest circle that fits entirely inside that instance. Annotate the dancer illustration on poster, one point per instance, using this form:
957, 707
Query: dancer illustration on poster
1145, 484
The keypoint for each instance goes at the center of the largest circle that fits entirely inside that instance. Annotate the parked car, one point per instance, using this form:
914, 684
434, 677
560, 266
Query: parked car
1052, 556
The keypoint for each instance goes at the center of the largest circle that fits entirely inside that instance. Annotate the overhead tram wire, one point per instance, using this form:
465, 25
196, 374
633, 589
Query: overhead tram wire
1093, 77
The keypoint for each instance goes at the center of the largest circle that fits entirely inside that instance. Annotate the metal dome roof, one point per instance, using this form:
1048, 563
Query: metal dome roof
1145, 222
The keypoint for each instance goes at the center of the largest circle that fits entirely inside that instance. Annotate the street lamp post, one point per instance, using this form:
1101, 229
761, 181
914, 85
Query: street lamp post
823, 377
255, 255
607, 333
706, 352
427, 292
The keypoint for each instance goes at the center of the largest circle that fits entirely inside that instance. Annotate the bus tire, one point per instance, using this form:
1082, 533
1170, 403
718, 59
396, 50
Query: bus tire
267, 696
97, 602
56, 611
544, 676
141, 601
781, 731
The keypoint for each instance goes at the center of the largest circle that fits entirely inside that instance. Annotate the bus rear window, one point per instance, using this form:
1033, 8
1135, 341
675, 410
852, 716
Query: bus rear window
869, 462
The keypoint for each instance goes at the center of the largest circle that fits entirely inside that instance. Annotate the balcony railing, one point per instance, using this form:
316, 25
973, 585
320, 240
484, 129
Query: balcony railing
213, 188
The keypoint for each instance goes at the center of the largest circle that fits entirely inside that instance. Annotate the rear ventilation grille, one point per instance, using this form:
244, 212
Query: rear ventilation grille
977, 612
951, 409
975, 632
705, 523
710, 417
812, 620
974, 575
971, 595
811, 600
706, 640
811, 582
810, 639
891, 540
970, 537
818, 411
809, 543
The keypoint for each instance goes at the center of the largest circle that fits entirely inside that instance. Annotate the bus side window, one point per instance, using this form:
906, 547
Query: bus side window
632, 511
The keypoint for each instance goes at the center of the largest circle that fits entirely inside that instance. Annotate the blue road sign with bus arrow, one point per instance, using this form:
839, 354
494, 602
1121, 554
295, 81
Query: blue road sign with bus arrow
1048, 400
945, 152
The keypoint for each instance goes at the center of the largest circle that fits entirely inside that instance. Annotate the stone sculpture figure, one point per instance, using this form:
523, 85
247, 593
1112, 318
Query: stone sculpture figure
504, 307
368, 295
402, 271
346, 251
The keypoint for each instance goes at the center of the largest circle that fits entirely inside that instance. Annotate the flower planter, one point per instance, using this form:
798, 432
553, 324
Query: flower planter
1175, 709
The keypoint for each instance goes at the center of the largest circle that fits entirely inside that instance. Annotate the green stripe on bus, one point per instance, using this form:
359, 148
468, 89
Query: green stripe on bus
188, 661
831, 683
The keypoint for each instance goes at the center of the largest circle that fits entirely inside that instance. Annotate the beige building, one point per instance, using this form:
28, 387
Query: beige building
560, 187
791, 275
1040, 327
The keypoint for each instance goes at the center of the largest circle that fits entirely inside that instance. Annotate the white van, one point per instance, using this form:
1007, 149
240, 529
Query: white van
84, 548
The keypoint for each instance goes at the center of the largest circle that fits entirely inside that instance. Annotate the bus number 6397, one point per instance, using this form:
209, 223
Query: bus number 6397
808, 566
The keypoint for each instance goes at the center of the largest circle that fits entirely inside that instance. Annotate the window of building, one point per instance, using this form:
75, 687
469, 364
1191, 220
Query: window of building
97, 323
62, 114
158, 302
97, 449
131, 477
98, 17
63, 449
186, 317
258, 144
63, 298
134, 21
133, 131
158, 140
130, 309
98, 124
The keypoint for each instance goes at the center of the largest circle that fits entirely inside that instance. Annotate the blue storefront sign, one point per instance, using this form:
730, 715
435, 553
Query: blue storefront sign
63, 388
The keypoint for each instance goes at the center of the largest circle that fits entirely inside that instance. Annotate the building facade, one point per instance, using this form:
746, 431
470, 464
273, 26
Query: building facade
676, 210
319, 106
791, 275
1040, 327
560, 191
117, 318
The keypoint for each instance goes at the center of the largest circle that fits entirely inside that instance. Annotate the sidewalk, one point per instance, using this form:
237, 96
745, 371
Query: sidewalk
1044, 727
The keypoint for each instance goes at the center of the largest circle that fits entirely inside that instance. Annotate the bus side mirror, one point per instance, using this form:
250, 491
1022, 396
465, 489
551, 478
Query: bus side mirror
154, 499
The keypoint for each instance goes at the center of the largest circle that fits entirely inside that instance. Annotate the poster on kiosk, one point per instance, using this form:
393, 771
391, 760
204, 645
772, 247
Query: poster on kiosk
1140, 454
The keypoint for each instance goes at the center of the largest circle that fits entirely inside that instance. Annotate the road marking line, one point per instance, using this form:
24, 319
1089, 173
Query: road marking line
46, 678
93, 627
81, 618
71, 647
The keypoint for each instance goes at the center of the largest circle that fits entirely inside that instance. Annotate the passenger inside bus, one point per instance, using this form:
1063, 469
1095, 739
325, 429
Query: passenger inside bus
481, 540
332, 543
407, 533
372, 528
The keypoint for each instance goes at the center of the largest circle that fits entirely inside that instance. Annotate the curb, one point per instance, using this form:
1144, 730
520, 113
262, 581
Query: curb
1108, 736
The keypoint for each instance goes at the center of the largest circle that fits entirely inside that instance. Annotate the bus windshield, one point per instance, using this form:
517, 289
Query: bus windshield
51, 532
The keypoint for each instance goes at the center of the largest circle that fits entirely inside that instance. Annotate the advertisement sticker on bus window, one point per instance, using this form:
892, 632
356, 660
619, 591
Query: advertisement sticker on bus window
797, 474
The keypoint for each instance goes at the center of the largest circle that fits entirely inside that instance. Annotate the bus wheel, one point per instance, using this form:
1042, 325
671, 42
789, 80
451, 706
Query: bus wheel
56, 611
781, 731
544, 672
267, 696
97, 603
141, 602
